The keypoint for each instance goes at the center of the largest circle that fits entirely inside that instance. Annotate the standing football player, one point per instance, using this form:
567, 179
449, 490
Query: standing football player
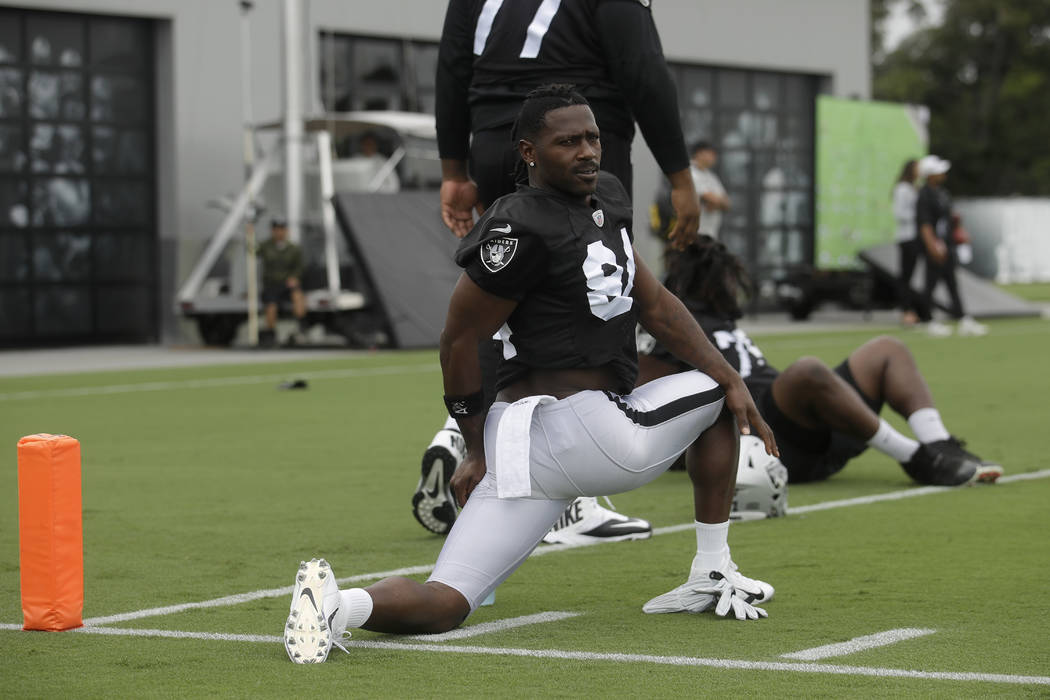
552, 268
492, 54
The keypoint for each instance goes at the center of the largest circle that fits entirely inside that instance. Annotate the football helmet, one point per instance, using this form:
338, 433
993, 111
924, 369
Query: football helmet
761, 483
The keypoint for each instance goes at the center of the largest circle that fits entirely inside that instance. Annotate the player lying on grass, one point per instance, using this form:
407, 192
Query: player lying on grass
822, 417
552, 265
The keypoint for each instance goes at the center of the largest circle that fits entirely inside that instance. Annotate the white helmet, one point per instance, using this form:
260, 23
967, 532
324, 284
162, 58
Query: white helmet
761, 483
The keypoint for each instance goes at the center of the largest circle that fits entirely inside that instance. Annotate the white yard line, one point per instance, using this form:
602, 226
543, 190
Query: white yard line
558, 654
220, 381
870, 641
495, 626
546, 549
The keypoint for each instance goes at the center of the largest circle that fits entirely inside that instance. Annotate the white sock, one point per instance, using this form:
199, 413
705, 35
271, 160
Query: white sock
355, 607
927, 425
888, 441
712, 544
450, 424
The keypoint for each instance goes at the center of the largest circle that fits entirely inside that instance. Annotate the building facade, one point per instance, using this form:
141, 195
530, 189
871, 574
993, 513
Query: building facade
120, 120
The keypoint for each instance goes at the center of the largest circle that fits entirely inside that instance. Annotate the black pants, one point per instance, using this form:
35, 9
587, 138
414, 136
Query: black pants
909, 255
934, 274
493, 159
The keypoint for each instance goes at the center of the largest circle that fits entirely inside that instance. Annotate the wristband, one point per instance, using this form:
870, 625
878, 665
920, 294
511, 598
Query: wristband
465, 406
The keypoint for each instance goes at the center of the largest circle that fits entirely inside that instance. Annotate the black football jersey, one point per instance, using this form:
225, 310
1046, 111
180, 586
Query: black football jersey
571, 268
493, 52
734, 344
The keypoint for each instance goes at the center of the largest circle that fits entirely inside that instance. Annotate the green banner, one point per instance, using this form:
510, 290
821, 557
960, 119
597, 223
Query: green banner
861, 147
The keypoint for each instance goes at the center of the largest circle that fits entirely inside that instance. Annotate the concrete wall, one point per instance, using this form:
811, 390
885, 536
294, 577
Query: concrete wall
199, 86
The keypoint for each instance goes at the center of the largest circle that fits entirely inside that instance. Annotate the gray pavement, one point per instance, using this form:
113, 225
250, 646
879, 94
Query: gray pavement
15, 363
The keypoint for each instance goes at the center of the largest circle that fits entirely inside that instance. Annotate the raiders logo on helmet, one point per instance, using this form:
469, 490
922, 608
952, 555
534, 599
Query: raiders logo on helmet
497, 253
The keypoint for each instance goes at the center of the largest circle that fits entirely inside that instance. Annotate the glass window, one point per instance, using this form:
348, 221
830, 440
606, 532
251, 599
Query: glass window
117, 44
766, 89
61, 257
119, 151
10, 37
61, 176
55, 39
121, 202
14, 203
11, 93
695, 88
732, 88
56, 95
61, 201
372, 73
122, 257
118, 98
377, 74
14, 257
62, 310
57, 149
697, 125
15, 315
734, 167
12, 155
122, 310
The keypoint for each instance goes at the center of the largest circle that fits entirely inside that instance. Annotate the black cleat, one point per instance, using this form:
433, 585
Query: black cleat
948, 463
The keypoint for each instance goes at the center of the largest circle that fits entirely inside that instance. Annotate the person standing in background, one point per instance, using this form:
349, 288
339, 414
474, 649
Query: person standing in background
905, 195
935, 228
713, 197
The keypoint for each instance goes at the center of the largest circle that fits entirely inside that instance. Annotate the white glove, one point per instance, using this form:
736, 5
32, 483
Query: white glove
729, 600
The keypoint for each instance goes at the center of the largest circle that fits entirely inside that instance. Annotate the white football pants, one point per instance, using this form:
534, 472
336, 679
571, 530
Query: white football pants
592, 443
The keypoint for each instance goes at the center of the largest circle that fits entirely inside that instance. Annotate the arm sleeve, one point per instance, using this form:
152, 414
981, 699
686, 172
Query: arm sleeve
505, 266
455, 67
636, 64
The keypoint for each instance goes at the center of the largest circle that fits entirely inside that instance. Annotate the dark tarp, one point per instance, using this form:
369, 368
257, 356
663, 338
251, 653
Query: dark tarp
980, 298
405, 253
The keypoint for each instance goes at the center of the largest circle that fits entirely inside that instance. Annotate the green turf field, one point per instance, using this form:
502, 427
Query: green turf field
209, 483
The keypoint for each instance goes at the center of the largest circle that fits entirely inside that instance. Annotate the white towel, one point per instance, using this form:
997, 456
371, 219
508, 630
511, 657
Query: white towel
512, 447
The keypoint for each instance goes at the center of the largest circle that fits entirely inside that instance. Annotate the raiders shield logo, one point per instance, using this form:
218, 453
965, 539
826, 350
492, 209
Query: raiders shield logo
497, 253
599, 218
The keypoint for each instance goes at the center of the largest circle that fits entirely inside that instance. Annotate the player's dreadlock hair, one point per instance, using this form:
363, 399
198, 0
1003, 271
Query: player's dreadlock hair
706, 276
531, 116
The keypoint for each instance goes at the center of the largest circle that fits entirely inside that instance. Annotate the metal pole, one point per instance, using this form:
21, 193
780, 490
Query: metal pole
293, 118
249, 163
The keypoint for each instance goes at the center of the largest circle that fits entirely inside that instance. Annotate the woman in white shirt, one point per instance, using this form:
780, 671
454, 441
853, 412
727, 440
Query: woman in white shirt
905, 195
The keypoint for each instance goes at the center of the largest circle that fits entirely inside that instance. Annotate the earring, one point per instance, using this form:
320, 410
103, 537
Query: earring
532, 164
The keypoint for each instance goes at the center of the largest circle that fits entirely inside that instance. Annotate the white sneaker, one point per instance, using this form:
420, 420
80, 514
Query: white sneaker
584, 522
705, 589
968, 326
938, 329
433, 503
308, 633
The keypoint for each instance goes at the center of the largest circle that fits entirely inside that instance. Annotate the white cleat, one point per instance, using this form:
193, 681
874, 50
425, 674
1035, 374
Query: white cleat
308, 633
968, 326
433, 503
586, 522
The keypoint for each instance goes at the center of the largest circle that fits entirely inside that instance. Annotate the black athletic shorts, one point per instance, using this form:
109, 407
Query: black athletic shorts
813, 455
276, 293
493, 157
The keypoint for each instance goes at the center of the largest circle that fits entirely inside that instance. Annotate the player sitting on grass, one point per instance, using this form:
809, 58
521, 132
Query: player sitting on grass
822, 417
553, 266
